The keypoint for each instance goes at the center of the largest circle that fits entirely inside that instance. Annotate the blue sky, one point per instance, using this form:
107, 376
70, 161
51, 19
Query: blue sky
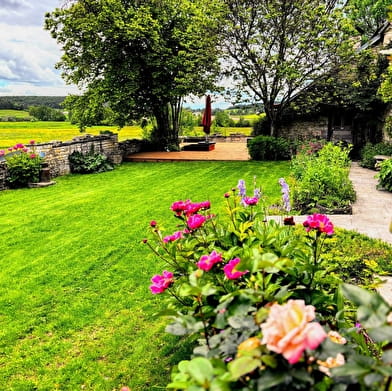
28, 53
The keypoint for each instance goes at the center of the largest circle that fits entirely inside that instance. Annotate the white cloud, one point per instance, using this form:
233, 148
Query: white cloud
28, 53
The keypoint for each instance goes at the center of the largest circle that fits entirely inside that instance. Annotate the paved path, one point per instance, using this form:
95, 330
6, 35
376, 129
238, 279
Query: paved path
372, 210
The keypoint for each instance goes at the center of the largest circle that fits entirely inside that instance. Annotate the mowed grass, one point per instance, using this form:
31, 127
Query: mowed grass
75, 309
42, 131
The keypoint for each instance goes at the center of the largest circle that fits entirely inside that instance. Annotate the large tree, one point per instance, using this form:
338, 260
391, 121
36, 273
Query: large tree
139, 57
276, 48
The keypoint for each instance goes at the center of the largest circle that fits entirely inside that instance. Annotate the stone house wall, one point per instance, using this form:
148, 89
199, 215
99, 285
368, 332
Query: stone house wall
305, 130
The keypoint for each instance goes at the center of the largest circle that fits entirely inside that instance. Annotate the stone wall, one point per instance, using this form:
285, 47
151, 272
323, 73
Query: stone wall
317, 129
305, 130
3, 175
56, 153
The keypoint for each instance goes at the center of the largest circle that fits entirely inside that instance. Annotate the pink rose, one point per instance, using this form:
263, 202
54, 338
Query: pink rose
33, 156
32, 142
161, 282
2, 152
289, 330
319, 222
195, 221
231, 272
208, 261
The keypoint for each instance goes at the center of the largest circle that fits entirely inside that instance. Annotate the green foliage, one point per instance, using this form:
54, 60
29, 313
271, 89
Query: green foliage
260, 126
223, 119
139, 58
268, 66
24, 102
44, 113
385, 175
89, 162
269, 148
245, 337
388, 126
23, 166
386, 86
367, 15
370, 150
321, 180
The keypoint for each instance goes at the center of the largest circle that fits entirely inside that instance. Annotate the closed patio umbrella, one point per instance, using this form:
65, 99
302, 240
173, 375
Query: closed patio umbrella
206, 121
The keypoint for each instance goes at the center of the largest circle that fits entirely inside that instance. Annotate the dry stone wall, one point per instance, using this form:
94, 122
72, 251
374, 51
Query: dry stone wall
56, 153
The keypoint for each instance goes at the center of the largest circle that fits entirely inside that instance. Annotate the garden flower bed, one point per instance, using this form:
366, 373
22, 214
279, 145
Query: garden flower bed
263, 304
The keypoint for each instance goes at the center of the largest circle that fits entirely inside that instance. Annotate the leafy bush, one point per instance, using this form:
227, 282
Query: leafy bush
89, 163
261, 126
370, 150
385, 175
23, 165
269, 148
321, 180
263, 305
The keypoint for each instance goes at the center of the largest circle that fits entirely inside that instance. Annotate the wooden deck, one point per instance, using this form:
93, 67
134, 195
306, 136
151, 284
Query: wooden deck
228, 151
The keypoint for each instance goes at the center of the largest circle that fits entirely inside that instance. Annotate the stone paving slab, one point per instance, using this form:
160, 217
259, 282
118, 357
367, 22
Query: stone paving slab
228, 151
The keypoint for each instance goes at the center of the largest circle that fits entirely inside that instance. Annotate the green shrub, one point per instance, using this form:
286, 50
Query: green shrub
89, 163
321, 180
370, 150
23, 165
385, 175
261, 126
269, 148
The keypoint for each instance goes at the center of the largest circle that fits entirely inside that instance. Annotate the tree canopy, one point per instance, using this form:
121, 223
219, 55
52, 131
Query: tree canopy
277, 48
367, 15
140, 58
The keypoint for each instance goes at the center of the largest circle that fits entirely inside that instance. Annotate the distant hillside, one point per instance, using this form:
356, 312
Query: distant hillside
24, 102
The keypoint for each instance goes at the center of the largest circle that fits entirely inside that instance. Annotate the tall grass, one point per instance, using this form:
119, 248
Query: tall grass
75, 309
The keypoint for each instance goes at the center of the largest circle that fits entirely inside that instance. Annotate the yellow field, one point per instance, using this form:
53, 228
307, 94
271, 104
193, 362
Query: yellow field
12, 133
22, 132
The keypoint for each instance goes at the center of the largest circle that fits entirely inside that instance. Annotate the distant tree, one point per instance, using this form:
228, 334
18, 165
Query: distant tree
188, 120
141, 58
276, 48
24, 102
44, 113
222, 119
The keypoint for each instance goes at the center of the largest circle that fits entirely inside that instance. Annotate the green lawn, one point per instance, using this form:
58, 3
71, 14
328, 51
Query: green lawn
75, 309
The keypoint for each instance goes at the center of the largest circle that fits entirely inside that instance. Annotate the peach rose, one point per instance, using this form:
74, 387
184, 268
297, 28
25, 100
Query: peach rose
331, 362
289, 330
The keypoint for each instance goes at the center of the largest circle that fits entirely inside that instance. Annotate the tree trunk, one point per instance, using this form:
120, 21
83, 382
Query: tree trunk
167, 133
